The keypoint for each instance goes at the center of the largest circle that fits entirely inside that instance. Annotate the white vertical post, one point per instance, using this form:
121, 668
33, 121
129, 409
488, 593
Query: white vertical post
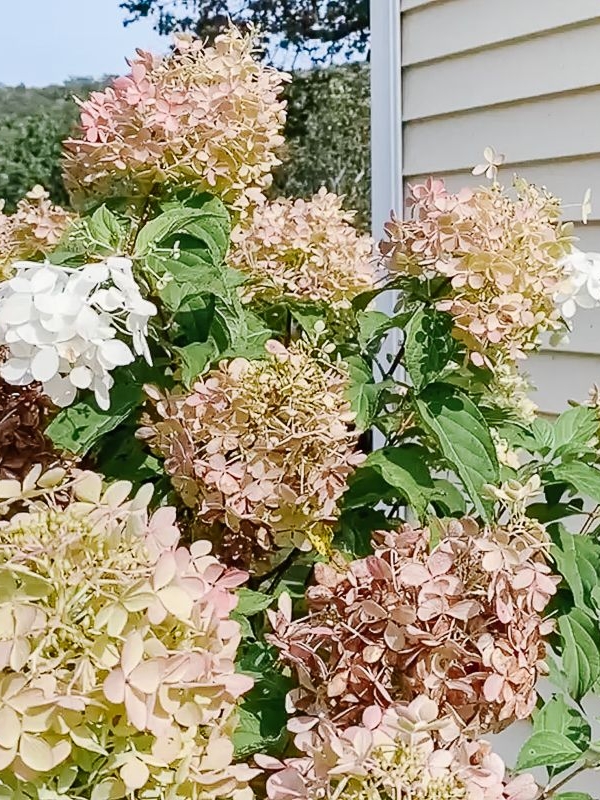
386, 113
386, 133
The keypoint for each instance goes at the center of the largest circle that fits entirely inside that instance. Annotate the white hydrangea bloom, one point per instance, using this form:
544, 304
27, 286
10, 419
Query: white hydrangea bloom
68, 328
581, 287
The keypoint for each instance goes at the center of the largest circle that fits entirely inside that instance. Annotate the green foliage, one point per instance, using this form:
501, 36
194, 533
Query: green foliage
429, 347
560, 737
580, 650
262, 721
328, 137
548, 748
33, 123
463, 438
395, 473
77, 428
363, 393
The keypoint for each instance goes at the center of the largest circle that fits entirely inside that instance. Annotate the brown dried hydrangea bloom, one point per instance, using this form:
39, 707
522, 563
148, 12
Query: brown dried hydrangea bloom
23, 415
460, 622
36, 227
261, 450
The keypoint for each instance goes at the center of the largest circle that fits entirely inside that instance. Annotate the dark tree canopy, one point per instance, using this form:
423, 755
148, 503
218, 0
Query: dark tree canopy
321, 29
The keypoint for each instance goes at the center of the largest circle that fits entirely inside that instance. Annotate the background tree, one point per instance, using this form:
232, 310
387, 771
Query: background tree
320, 29
33, 123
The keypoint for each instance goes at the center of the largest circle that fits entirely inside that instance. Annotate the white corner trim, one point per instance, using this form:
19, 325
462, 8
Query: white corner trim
386, 135
386, 112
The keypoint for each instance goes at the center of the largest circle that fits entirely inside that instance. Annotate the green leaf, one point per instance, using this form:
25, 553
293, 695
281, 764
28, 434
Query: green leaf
365, 399
558, 717
306, 315
250, 602
429, 346
447, 498
363, 393
263, 717
106, 229
546, 513
405, 470
208, 222
199, 276
247, 737
546, 748
577, 426
572, 796
580, 651
367, 487
123, 457
371, 327
584, 478
578, 561
355, 528
464, 439
543, 436
195, 357
76, 429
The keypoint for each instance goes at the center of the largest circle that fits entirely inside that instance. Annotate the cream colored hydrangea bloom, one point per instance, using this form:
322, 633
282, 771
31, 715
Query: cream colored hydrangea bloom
116, 647
306, 250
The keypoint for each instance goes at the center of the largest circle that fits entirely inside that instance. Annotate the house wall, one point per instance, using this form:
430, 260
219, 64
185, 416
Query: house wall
524, 77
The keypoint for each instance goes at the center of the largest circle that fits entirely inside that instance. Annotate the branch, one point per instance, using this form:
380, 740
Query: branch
550, 791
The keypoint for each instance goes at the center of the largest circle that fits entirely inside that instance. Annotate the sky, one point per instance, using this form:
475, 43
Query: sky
49, 41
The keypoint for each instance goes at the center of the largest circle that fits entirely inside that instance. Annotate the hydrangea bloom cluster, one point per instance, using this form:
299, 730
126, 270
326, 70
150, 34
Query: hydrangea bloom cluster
459, 621
581, 287
503, 259
391, 753
116, 647
509, 390
261, 448
206, 117
61, 326
36, 227
303, 249
24, 412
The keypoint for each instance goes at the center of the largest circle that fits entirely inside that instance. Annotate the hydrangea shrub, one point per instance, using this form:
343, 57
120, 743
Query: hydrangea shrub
215, 581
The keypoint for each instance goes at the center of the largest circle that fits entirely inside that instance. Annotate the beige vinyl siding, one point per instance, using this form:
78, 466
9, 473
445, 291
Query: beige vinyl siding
524, 77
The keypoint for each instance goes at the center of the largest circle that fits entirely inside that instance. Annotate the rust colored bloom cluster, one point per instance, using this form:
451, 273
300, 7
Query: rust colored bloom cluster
502, 258
36, 227
459, 621
205, 117
303, 249
23, 415
261, 450
395, 753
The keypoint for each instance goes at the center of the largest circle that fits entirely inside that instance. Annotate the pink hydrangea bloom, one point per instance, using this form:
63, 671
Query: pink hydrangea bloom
36, 227
394, 753
503, 259
205, 117
261, 450
460, 622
